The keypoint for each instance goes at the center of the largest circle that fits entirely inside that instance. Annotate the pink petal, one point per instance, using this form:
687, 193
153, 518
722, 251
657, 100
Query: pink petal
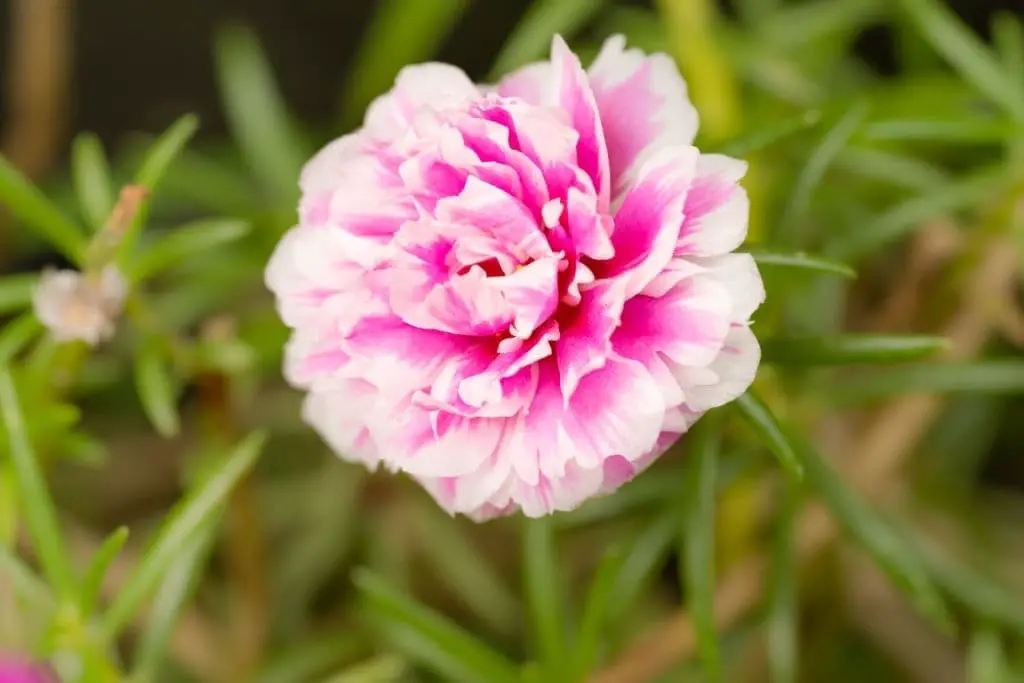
340, 416
586, 333
532, 293
688, 324
717, 208
430, 85
644, 107
497, 214
617, 410
532, 83
728, 376
648, 222
576, 98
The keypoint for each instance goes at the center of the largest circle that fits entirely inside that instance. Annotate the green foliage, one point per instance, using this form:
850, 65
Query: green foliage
354, 577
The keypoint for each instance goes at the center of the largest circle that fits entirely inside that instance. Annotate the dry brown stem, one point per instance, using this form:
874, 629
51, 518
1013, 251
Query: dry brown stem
38, 73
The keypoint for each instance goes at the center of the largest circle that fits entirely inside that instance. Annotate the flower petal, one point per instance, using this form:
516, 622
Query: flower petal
575, 97
648, 222
644, 107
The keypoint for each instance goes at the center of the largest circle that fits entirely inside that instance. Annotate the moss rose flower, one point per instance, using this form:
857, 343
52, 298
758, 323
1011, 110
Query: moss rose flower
520, 294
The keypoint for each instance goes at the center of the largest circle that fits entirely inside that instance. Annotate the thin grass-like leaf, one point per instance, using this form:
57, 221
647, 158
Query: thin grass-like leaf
892, 168
763, 138
176, 589
401, 32
978, 131
257, 114
16, 292
986, 658
17, 334
39, 512
313, 656
185, 520
384, 669
431, 639
157, 389
890, 550
544, 598
760, 417
590, 635
164, 150
803, 261
90, 173
783, 605
468, 572
850, 349
192, 239
819, 161
996, 377
531, 38
966, 52
979, 594
28, 204
92, 580
26, 583
903, 218
698, 540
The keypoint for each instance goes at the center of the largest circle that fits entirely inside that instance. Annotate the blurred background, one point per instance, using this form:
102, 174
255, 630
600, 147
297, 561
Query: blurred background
886, 136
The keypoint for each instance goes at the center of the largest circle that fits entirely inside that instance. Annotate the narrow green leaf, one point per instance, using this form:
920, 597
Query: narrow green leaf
978, 593
978, 377
760, 417
162, 153
986, 658
37, 507
849, 349
402, 32
892, 168
966, 52
192, 239
782, 622
384, 669
257, 114
468, 572
181, 525
156, 161
645, 557
590, 635
820, 160
27, 585
16, 335
431, 639
803, 261
31, 206
177, 587
90, 174
92, 580
763, 138
156, 389
16, 292
794, 25
698, 540
976, 131
894, 553
1008, 37
531, 39
544, 598
903, 218
313, 656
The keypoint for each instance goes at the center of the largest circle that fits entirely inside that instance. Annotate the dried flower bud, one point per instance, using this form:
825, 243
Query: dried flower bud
73, 305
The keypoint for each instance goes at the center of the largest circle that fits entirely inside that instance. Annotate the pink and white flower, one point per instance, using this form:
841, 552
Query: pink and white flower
520, 295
